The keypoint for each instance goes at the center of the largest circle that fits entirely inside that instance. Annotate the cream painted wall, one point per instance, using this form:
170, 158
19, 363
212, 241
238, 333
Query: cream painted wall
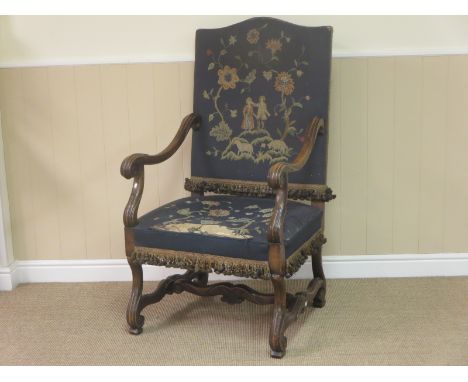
45, 40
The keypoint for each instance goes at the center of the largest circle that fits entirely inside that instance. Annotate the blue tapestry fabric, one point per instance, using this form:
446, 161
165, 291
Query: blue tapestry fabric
221, 225
258, 85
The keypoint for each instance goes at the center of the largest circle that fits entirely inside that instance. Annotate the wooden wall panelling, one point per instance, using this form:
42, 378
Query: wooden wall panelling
186, 79
168, 118
333, 209
433, 143
380, 151
38, 142
93, 160
353, 156
456, 165
17, 163
66, 148
142, 126
408, 95
117, 146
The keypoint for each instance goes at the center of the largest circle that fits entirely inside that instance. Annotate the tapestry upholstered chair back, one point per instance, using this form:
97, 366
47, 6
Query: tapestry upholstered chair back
259, 140
258, 84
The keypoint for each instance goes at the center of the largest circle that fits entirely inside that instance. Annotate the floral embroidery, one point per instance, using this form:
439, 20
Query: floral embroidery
206, 229
228, 77
274, 45
261, 129
268, 75
222, 132
184, 211
217, 218
284, 83
218, 213
232, 40
253, 36
210, 203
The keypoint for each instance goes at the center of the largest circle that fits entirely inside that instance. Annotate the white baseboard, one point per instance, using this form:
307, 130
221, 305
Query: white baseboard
8, 277
336, 267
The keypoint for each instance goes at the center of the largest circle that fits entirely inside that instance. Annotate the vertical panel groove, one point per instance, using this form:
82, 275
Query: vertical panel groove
106, 164
82, 181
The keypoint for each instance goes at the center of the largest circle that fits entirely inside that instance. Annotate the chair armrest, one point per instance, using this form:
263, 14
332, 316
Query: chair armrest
278, 180
133, 167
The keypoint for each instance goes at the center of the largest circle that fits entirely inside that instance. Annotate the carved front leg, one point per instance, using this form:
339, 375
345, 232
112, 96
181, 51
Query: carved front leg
317, 268
278, 341
134, 319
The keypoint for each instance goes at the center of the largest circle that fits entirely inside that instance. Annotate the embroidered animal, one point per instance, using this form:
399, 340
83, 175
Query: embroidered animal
242, 147
278, 146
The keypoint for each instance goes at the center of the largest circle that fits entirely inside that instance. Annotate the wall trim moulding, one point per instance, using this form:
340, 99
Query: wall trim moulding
190, 58
336, 267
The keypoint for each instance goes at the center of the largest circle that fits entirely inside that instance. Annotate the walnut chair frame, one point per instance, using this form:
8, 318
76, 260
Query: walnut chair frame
286, 306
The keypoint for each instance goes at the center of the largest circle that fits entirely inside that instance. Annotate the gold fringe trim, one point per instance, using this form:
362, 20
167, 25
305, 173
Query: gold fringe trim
313, 192
226, 265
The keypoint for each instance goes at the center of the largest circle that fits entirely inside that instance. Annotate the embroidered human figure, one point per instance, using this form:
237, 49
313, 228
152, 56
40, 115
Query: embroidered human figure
248, 114
262, 112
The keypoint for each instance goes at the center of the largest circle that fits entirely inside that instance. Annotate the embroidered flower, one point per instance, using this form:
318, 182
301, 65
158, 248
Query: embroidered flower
268, 75
250, 77
284, 83
184, 212
222, 132
232, 40
209, 52
218, 213
211, 203
253, 36
227, 77
252, 207
274, 45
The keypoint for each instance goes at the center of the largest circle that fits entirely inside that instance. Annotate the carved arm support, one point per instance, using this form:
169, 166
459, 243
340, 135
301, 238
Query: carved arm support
278, 181
133, 167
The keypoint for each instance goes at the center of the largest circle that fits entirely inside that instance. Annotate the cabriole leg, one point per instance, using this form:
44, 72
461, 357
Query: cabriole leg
134, 319
278, 341
317, 268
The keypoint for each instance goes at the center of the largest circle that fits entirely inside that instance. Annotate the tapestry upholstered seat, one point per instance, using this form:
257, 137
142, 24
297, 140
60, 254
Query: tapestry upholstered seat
226, 226
259, 144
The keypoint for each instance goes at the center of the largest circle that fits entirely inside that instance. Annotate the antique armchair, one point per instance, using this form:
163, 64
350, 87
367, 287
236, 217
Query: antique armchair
259, 139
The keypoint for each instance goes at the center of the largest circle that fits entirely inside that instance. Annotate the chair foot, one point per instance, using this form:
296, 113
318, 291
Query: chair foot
319, 300
276, 354
135, 331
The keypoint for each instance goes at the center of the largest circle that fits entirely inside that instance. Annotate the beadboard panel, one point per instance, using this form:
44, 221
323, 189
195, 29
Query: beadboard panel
397, 153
